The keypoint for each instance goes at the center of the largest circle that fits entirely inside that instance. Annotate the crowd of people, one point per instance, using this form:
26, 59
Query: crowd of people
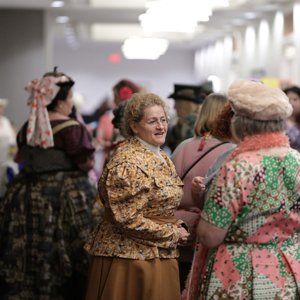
204, 207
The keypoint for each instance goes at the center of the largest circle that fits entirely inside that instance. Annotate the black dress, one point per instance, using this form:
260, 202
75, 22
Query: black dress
45, 218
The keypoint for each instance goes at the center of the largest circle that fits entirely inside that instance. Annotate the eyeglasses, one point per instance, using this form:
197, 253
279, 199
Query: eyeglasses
155, 122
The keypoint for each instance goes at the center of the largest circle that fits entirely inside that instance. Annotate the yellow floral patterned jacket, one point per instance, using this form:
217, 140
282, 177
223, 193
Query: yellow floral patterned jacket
137, 189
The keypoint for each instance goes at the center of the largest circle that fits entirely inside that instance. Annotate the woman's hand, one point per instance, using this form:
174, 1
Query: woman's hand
197, 190
183, 238
198, 185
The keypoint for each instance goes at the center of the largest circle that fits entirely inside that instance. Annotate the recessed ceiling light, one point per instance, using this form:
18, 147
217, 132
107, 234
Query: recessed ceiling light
62, 19
144, 48
237, 22
250, 15
57, 3
269, 7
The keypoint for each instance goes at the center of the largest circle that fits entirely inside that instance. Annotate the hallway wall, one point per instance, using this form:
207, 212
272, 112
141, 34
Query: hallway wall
28, 49
22, 57
95, 75
265, 48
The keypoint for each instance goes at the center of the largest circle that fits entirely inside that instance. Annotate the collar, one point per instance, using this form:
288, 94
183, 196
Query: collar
261, 141
154, 149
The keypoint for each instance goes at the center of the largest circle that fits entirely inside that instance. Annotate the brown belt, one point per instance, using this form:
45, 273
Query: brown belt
163, 219
156, 219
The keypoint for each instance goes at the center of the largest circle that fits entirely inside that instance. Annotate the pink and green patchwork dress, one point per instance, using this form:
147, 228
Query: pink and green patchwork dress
256, 198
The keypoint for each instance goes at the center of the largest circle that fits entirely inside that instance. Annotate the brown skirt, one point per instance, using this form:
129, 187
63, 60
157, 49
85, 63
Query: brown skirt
129, 279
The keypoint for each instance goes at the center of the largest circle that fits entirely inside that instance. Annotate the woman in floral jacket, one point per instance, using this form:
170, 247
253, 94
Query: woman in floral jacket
134, 247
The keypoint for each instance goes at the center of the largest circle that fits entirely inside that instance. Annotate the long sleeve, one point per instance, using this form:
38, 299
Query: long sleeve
140, 192
127, 190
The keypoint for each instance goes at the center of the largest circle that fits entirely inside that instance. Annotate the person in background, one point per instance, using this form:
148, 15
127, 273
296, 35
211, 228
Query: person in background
188, 100
251, 217
221, 130
199, 187
75, 114
46, 211
117, 121
293, 124
7, 135
110, 133
8, 148
134, 247
193, 157
107, 135
122, 91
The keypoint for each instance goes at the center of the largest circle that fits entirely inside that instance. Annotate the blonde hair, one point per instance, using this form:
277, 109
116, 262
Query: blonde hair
135, 107
211, 108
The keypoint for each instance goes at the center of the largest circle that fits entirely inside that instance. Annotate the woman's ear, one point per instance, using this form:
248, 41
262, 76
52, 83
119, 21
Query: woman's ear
58, 105
133, 127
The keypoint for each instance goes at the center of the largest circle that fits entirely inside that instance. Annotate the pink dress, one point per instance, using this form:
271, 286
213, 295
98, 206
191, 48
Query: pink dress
183, 157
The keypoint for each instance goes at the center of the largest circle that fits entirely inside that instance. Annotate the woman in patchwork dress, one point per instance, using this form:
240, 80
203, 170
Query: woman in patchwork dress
251, 217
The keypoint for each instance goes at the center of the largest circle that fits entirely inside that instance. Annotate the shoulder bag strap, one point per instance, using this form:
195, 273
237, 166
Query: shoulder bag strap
200, 157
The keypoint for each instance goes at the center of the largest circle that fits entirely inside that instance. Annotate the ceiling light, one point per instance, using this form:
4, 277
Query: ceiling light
237, 22
174, 15
144, 48
269, 7
62, 19
155, 23
218, 3
57, 3
114, 32
250, 15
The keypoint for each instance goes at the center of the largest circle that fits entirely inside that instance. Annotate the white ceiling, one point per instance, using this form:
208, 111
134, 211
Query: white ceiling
115, 20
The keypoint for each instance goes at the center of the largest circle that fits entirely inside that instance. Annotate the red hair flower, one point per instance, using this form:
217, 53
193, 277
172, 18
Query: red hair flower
125, 93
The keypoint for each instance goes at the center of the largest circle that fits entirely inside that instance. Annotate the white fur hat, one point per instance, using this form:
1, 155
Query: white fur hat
3, 102
258, 101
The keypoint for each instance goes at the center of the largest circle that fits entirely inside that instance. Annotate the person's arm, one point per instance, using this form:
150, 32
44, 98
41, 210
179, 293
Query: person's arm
77, 144
127, 189
200, 184
221, 208
210, 235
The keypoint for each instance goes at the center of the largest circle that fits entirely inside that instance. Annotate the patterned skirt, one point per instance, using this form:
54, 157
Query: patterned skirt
44, 222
